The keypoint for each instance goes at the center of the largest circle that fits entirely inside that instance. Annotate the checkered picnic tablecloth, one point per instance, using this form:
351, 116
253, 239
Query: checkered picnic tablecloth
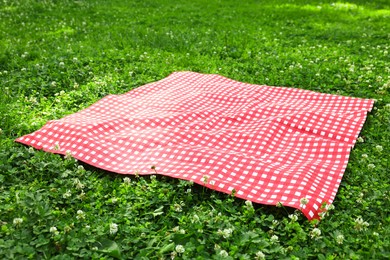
268, 144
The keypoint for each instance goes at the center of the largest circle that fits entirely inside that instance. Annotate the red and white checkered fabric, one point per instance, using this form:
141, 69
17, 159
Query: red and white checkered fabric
269, 144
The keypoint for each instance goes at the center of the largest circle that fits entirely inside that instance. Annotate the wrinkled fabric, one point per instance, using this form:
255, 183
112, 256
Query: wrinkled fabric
265, 144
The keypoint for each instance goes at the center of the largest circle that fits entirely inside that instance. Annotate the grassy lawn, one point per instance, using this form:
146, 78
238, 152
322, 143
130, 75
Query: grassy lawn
57, 57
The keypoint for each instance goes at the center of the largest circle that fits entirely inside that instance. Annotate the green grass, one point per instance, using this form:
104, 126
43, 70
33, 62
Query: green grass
57, 57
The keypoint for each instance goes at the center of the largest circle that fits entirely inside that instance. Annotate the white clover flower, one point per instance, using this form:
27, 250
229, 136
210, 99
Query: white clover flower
249, 204
65, 174
79, 186
371, 166
379, 148
360, 224
364, 155
375, 234
113, 228
126, 180
226, 233
61, 64
68, 155
329, 207
360, 139
173, 255
81, 196
176, 229
304, 201
223, 253
315, 233
274, 223
54, 230
177, 207
53, 83
180, 249
274, 239
279, 204
80, 214
260, 255
17, 221
182, 231
340, 239
77, 183
195, 218
67, 194
293, 217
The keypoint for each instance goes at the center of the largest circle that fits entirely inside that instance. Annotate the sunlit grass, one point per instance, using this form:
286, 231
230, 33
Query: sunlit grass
58, 57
